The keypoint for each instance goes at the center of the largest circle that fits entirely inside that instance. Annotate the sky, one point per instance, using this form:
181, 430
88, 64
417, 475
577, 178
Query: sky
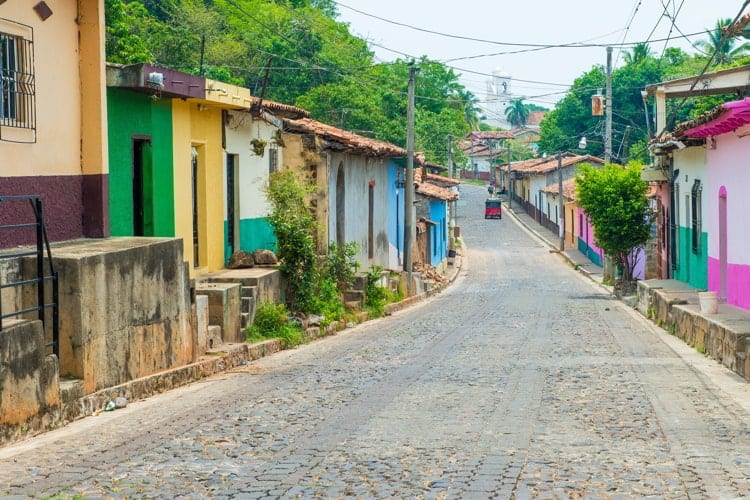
539, 76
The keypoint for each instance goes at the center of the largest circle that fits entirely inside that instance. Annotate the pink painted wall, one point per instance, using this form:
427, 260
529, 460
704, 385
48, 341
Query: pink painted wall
586, 233
729, 168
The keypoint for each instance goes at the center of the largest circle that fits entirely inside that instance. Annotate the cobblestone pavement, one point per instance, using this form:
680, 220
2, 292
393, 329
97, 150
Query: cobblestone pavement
522, 380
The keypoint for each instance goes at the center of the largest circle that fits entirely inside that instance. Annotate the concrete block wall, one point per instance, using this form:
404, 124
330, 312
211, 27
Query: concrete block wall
223, 308
29, 381
125, 309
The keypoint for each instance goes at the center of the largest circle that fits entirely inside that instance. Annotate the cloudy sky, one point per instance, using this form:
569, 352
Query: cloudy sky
539, 75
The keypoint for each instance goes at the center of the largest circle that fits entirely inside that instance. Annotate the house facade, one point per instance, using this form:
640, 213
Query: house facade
725, 130
53, 126
355, 198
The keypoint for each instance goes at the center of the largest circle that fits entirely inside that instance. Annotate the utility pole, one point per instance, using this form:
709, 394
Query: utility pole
608, 110
561, 203
409, 184
451, 221
609, 272
511, 180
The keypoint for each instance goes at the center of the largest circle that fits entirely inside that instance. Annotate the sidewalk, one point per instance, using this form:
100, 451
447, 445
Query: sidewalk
723, 336
576, 259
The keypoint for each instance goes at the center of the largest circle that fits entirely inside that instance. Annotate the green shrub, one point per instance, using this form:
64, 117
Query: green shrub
272, 322
376, 296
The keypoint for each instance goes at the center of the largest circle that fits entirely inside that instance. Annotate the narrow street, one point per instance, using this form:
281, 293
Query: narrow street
522, 380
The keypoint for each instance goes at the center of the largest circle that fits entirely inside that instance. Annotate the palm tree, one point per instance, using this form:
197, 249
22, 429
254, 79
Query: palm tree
517, 113
471, 111
638, 53
724, 50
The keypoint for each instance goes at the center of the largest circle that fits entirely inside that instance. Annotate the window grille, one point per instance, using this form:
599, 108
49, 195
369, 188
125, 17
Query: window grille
17, 86
273, 158
696, 221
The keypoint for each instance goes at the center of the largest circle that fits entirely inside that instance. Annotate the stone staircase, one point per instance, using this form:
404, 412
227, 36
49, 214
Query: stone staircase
232, 297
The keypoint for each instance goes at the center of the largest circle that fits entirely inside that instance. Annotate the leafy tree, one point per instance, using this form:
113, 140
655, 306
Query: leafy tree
640, 52
614, 198
725, 51
517, 113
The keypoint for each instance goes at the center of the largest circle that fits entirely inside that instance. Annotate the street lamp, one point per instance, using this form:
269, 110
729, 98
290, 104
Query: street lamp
561, 200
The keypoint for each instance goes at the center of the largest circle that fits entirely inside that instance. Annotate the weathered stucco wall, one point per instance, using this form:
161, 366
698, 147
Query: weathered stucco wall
124, 309
29, 380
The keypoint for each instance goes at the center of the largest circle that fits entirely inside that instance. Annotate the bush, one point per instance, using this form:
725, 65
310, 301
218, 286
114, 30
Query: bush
272, 322
376, 296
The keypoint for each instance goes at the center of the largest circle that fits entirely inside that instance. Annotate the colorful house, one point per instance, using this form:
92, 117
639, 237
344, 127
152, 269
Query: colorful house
725, 130
354, 199
168, 159
533, 176
253, 150
433, 194
53, 126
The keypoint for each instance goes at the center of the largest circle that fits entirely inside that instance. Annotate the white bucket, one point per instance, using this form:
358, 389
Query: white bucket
709, 302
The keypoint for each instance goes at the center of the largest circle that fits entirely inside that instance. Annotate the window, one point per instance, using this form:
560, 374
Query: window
273, 158
17, 106
696, 223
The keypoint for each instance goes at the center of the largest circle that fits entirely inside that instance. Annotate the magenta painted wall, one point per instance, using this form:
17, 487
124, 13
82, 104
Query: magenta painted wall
587, 235
729, 168
738, 282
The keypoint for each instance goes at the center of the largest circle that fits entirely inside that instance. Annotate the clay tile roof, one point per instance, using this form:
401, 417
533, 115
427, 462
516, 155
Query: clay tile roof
343, 139
439, 179
436, 192
491, 135
569, 189
281, 110
549, 164
535, 118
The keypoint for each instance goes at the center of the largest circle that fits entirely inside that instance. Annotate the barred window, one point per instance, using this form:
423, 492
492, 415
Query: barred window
17, 106
273, 158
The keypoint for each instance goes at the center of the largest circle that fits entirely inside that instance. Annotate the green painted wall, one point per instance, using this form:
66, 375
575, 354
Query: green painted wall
691, 268
254, 234
132, 114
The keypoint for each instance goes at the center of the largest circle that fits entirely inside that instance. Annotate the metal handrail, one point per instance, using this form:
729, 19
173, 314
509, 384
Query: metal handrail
42, 244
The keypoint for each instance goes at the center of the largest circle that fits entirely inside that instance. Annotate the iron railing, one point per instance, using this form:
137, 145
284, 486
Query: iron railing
40, 279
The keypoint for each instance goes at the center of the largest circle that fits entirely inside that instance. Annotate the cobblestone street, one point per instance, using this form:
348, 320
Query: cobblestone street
523, 379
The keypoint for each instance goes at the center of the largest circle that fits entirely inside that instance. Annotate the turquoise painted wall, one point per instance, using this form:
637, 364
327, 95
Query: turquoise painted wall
691, 268
255, 234
438, 234
132, 114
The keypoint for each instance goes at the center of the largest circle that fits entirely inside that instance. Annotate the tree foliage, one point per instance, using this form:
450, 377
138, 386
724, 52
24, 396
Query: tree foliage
517, 113
294, 52
614, 199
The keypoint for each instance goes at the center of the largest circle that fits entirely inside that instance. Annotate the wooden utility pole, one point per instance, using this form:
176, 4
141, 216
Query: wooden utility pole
409, 184
451, 221
608, 110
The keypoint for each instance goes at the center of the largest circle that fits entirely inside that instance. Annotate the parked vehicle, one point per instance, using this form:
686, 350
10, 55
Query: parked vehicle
493, 209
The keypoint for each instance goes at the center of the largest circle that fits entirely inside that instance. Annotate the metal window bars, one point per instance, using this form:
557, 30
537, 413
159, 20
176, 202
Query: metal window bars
17, 86
40, 279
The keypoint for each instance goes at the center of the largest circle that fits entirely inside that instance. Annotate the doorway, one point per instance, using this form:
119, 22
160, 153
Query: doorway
142, 182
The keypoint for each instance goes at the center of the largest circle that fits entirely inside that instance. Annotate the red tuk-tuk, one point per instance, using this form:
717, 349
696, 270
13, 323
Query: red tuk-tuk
493, 208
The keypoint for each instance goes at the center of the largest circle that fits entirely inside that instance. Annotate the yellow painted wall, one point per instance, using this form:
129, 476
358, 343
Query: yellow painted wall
197, 125
59, 83
230, 96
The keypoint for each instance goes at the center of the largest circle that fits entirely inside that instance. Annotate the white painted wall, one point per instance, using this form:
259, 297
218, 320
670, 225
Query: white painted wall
359, 173
692, 165
729, 166
253, 169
